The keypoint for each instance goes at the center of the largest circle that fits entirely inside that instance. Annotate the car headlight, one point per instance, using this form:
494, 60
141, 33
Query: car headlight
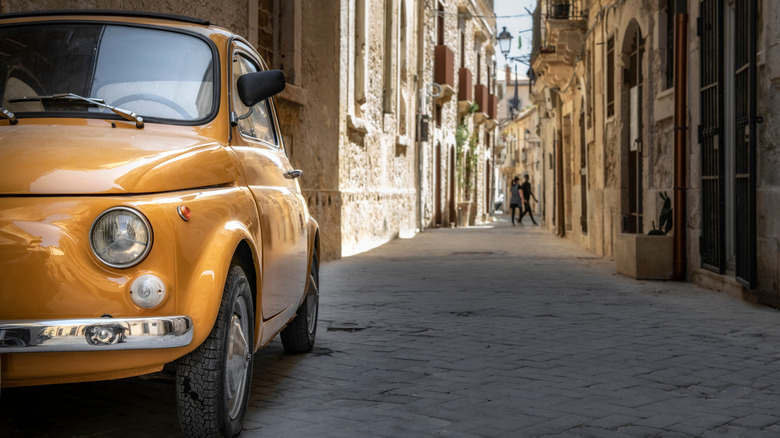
120, 237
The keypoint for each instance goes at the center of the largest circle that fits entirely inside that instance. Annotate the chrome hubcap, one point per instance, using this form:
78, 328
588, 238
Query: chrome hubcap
238, 357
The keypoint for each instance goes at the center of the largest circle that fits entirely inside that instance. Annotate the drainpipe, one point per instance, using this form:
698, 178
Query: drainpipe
679, 258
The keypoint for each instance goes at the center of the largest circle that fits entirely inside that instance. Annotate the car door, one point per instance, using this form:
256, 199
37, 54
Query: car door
283, 214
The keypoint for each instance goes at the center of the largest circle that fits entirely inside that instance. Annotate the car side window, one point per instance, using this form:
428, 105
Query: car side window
255, 121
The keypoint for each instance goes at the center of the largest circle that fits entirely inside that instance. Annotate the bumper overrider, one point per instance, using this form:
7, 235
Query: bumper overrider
94, 334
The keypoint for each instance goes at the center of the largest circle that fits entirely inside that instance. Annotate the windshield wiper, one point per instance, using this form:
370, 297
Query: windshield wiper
123, 113
9, 115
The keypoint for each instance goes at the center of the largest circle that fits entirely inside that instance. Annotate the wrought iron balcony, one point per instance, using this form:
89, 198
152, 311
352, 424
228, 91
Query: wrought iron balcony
565, 9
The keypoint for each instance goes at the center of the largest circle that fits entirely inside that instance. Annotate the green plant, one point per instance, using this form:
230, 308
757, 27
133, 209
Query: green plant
465, 150
471, 163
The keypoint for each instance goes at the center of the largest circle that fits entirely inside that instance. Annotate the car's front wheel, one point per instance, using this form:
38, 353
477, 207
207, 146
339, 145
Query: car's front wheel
213, 382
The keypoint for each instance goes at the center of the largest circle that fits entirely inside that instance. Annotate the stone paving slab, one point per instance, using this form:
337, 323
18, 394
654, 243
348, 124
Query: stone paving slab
489, 331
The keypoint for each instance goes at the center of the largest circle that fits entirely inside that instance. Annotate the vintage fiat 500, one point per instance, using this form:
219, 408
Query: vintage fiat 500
149, 214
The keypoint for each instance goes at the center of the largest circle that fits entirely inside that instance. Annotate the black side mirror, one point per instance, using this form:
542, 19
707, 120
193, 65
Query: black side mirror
259, 86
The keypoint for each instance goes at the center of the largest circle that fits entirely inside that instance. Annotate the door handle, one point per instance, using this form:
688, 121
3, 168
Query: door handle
292, 174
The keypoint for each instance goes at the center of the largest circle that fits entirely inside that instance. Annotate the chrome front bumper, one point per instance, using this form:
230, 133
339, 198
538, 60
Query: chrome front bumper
94, 334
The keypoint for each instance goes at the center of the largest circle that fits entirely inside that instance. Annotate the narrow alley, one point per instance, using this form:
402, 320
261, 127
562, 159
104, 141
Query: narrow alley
487, 331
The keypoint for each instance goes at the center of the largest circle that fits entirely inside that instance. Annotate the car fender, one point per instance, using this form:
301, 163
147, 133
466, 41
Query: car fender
202, 279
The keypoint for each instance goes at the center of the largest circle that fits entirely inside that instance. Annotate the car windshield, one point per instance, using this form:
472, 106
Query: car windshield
155, 73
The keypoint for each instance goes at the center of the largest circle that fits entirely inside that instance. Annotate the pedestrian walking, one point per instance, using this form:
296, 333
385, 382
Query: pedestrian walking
527, 193
516, 201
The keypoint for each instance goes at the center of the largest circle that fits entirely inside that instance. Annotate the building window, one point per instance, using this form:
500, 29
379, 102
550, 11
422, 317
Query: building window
633, 148
387, 76
583, 171
489, 77
402, 46
288, 51
669, 73
360, 50
440, 25
589, 87
611, 77
462, 50
479, 68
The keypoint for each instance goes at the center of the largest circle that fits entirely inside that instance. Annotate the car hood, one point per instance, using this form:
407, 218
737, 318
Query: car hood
60, 160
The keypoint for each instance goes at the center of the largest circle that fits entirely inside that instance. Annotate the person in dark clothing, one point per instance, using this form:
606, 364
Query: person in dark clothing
527, 193
516, 201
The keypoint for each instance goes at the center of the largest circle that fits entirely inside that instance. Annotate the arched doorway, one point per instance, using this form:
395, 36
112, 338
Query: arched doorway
437, 221
631, 112
453, 182
488, 188
583, 170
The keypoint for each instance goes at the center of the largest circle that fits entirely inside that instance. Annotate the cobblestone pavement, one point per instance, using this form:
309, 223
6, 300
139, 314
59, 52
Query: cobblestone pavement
490, 331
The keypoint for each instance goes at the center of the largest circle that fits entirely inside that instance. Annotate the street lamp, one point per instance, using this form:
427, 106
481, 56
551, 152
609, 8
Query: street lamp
504, 41
504, 44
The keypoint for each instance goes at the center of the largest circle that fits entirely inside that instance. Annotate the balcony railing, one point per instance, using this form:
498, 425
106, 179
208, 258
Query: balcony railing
565, 9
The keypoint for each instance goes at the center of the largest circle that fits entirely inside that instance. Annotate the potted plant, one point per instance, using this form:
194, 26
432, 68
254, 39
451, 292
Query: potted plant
466, 158
648, 256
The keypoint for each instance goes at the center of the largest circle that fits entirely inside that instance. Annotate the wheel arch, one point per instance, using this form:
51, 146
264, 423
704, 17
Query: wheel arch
249, 261
314, 244
245, 257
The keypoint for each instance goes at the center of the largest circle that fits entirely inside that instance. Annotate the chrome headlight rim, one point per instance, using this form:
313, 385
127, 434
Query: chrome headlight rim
139, 258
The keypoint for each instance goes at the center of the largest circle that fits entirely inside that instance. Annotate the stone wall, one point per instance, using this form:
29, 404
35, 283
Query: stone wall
376, 155
363, 170
607, 134
234, 17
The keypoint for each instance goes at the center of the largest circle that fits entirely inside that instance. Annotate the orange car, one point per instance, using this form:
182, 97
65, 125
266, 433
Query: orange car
149, 214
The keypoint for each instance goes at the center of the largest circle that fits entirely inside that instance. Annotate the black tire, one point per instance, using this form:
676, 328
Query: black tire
299, 335
213, 382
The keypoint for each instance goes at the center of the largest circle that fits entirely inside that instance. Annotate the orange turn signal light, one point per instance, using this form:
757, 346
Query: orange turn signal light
184, 212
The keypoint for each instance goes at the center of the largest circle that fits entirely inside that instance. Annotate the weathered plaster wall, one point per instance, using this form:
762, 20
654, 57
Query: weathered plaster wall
361, 185
768, 211
315, 127
377, 178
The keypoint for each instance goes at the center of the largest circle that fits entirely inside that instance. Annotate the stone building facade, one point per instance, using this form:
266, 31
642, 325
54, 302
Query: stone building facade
362, 76
459, 93
627, 116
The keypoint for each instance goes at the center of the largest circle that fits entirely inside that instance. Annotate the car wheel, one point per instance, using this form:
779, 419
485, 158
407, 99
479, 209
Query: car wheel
298, 336
213, 382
